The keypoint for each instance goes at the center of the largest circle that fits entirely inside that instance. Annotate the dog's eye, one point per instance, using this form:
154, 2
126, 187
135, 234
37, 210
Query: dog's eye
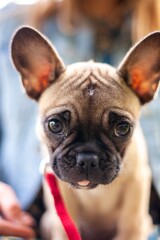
55, 125
122, 129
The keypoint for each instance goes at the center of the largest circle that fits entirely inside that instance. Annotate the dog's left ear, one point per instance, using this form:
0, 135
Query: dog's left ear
36, 60
141, 67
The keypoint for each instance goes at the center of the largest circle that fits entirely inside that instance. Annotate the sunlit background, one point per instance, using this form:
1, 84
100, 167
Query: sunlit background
3, 3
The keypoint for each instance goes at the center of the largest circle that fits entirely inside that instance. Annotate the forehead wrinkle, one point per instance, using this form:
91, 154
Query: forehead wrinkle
107, 79
76, 75
75, 79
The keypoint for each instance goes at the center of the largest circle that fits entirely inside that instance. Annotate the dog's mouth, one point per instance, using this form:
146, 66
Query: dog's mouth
93, 183
85, 184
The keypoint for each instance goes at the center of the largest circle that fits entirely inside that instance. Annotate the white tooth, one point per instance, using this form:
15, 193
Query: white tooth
83, 183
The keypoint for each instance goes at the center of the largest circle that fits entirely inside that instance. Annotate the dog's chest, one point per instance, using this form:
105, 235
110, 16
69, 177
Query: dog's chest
102, 201
99, 211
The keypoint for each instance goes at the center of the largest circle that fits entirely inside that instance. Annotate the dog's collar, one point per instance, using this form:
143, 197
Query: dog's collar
69, 226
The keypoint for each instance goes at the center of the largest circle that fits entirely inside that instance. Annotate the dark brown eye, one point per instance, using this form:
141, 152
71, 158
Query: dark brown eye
122, 129
55, 125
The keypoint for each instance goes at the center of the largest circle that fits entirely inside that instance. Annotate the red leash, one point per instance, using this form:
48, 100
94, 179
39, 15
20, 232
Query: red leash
67, 222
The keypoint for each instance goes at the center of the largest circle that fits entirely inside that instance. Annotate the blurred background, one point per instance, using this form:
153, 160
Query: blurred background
80, 30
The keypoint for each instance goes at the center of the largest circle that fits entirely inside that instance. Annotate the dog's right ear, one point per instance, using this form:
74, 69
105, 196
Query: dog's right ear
36, 60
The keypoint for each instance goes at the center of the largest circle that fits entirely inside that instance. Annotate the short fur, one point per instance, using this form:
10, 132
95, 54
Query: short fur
88, 125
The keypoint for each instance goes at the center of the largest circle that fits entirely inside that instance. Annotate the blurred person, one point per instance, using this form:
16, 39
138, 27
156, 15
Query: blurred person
80, 30
19, 148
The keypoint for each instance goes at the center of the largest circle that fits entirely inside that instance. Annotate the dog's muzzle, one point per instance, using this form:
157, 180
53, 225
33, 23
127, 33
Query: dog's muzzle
86, 169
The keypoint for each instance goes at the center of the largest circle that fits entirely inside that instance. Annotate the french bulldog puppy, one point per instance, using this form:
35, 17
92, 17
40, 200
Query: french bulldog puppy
88, 125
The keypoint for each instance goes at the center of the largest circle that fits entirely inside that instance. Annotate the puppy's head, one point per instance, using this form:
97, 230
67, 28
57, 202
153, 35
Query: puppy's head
88, 111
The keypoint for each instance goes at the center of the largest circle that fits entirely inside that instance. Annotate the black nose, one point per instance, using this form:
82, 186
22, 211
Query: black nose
87, 160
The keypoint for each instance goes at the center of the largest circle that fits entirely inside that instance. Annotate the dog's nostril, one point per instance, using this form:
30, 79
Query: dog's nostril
81, 163
87, 160
93, 164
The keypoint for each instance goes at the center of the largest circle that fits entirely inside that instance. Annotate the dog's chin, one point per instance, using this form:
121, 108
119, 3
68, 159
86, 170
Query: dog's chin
86, 184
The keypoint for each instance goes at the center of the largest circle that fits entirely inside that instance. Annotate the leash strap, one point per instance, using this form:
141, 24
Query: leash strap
67, 222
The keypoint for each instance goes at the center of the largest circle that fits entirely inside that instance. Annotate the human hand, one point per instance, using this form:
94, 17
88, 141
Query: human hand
13, 220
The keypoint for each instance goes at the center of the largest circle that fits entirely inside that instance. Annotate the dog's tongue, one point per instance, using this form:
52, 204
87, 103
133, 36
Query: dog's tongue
83, 183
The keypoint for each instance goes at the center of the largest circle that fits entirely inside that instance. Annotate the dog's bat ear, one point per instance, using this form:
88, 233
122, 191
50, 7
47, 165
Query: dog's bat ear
36, 60
141, 67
